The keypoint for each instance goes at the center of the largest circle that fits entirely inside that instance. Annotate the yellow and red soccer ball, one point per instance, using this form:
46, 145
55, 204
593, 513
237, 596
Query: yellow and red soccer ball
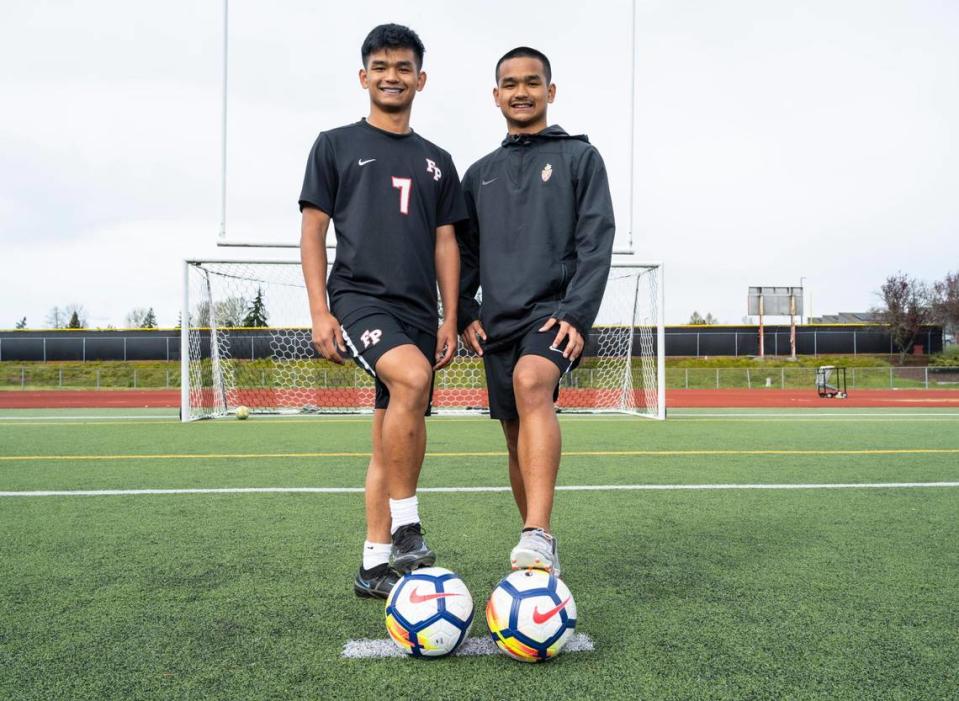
531, 614
429, 612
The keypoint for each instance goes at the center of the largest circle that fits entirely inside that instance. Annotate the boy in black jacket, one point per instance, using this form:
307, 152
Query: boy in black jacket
539, 243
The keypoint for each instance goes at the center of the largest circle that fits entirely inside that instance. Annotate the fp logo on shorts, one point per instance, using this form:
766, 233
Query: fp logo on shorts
371, 338
431, 168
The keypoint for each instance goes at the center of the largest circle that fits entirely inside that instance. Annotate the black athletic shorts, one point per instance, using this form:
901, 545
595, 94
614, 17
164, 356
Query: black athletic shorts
369, 336
501, 362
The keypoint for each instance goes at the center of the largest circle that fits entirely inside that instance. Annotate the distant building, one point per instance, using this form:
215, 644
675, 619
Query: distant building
846, 318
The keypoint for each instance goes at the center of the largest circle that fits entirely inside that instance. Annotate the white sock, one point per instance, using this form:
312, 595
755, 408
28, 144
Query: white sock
403, 512
375, 554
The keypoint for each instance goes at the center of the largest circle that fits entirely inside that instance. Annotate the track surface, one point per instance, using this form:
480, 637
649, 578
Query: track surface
680, 398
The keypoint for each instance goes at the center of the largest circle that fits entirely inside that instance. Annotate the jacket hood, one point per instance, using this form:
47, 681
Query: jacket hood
554, 131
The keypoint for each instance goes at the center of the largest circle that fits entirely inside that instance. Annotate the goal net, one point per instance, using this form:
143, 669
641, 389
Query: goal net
246, 341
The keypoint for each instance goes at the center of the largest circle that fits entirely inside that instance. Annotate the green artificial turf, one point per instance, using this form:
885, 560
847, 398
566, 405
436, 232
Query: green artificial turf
806, 593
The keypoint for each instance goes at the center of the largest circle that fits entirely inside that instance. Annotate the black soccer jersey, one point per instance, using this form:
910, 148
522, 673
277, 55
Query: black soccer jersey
386, 194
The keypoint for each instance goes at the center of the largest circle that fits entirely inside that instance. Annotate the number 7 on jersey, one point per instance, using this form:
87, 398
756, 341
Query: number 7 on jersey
404, 185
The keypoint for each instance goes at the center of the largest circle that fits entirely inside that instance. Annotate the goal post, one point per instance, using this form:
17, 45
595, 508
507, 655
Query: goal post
246, 341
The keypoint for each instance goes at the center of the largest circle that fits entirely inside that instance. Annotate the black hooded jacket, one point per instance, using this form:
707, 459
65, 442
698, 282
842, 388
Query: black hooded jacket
539, 237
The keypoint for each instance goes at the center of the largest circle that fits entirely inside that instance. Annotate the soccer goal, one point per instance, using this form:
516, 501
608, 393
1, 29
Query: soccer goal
246, 341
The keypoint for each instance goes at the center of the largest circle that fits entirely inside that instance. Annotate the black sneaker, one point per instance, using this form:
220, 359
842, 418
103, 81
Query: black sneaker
375, 583
409, 550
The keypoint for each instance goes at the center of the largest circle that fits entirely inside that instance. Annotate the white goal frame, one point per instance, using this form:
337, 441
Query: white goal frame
222, 394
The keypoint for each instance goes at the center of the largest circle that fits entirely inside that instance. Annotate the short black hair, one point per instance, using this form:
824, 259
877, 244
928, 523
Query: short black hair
392, 36
526, 52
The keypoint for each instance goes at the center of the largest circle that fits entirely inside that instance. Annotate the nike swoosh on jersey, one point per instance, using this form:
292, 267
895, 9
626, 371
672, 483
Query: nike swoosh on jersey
417, 598
368, 160
539, 618
487, 182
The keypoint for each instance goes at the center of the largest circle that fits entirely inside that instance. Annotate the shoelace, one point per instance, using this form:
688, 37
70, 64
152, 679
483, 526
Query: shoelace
408, 537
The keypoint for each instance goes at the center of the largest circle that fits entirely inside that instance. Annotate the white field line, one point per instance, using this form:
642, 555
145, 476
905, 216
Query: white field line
373, 649
468, 490
794, 414
674, 414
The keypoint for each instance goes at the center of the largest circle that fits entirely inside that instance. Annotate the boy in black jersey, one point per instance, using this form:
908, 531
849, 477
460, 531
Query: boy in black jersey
539, 242
393, 197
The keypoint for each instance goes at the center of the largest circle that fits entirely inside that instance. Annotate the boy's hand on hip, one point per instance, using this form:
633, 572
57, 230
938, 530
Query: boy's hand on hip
574, 339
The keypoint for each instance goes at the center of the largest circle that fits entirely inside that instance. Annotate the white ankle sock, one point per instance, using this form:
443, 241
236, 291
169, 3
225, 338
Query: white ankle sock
403, 512
375, 554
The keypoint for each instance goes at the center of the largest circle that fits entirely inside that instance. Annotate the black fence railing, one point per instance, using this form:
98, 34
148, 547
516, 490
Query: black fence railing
255, 344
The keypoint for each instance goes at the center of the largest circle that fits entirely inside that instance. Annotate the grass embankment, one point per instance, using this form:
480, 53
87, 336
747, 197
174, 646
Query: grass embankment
878, 371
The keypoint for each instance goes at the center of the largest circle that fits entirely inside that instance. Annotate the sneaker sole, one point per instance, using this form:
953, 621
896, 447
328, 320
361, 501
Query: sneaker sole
529, 560
368, 593
406, 566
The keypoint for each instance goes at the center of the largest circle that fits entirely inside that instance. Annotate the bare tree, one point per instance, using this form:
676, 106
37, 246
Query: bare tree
136, 317
945, 302
228, 312
55, 318
200, 317
231, 311
907, 308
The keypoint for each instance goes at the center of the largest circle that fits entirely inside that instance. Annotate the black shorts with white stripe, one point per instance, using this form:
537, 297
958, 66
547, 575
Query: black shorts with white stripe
501, 362
370, 336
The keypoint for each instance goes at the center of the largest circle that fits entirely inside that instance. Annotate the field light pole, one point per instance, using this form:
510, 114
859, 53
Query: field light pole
802, 287
221, 234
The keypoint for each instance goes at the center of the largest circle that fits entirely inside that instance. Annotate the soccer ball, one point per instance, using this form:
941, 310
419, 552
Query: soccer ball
429, 612
242, 413
531, 614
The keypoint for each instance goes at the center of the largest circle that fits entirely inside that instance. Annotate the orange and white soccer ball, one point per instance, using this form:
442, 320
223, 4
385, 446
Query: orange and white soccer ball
531, 615
429, 612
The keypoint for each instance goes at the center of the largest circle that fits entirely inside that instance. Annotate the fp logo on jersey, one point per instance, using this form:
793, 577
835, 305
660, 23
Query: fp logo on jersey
431, 168
371, 338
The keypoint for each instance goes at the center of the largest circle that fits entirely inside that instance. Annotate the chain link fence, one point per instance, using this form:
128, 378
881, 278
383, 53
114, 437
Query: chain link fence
88, 376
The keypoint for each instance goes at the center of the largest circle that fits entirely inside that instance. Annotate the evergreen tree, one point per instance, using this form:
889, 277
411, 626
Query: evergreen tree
150, 320
77, 312
698, 319
256, 316
22, 324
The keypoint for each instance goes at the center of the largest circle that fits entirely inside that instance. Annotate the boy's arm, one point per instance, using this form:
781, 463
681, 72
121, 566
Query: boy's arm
448, 278
327, 335
468, 239
467, 236
595, 230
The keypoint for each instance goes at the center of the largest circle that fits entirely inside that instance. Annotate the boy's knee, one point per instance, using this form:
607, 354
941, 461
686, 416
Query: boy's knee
531, 386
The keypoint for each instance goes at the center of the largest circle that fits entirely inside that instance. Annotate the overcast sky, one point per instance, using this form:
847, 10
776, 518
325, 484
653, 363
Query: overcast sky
774, 140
